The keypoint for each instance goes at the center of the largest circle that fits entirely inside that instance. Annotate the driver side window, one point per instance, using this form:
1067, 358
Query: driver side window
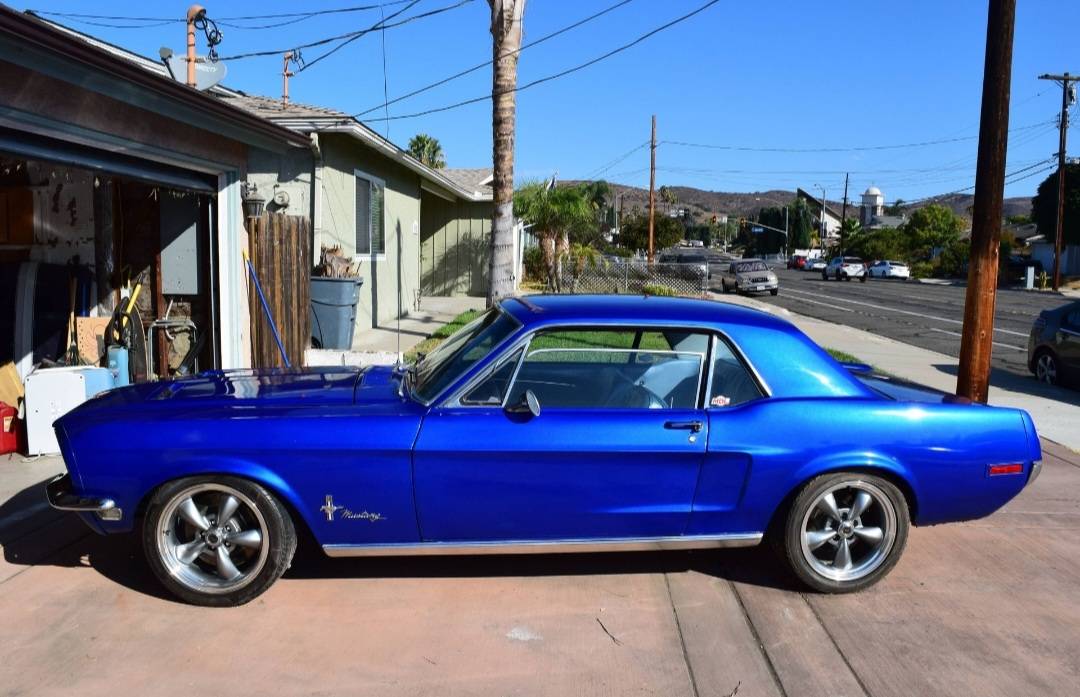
614, 369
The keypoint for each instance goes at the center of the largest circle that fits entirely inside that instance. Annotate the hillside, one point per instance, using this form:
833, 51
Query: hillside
703, 204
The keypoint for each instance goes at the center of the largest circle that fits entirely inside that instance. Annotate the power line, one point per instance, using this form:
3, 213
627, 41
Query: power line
473, 69
296, 17
747, 148
604, 168
381, 25
555, 76
347, 36
1049, 166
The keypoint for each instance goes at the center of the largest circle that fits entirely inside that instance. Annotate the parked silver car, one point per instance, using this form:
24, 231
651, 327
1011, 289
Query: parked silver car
749, 276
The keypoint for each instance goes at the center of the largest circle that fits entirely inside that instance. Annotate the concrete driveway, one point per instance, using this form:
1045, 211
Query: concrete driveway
982, 608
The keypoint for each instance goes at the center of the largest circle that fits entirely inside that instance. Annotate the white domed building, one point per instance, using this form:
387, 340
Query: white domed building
872, 212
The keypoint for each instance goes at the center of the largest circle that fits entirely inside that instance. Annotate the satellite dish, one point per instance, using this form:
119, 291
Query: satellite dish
207, 72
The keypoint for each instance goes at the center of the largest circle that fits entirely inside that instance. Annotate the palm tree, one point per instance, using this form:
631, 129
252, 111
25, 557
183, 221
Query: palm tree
553, 213
668, 196
428, 150
507, 17
597, 193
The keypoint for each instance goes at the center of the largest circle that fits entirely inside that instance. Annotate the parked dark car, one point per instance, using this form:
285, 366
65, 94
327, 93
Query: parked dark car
693, 268
1054, 345
797, 261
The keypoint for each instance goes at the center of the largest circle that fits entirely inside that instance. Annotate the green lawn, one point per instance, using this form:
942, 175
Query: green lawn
441, 334
843, 356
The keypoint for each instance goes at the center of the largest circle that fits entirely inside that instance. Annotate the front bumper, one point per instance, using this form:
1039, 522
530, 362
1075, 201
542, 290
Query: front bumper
61, 497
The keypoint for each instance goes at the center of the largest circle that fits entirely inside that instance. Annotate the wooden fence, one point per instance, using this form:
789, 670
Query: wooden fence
280, 248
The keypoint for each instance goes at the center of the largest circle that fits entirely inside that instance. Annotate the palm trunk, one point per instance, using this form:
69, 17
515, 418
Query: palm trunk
506, 21
547, 248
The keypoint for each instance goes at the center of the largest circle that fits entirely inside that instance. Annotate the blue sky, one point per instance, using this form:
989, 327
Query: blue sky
782, 74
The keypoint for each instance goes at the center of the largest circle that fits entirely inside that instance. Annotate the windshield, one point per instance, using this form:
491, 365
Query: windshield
461, 351
747, 266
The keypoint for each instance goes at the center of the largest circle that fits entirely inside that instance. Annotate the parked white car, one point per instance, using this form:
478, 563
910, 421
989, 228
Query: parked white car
889, 269
815, 264
845, 269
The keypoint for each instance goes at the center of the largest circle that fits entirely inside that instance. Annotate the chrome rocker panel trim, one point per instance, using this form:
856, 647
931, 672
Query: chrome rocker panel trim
547, 547
59, 494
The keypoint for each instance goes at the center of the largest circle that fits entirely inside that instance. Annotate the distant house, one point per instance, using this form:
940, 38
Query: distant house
821, 210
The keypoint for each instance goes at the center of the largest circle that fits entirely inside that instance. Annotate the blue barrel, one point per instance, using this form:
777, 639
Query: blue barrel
333, 311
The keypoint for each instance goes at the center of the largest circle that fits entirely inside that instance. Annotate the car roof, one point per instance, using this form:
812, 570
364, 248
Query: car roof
561, 309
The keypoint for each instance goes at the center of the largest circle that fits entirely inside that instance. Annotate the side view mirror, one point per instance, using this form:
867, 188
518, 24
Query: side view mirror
528, 404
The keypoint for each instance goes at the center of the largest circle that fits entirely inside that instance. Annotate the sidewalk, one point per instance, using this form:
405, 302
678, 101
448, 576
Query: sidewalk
380, 345
1055, 410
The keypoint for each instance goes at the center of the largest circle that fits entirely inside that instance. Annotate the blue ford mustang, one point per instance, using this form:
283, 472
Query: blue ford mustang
555, 423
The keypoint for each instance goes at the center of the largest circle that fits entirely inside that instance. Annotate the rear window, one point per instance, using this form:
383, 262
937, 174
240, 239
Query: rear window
852, 260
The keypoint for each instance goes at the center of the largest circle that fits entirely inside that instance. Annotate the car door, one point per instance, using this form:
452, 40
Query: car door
614, 452
1068, 341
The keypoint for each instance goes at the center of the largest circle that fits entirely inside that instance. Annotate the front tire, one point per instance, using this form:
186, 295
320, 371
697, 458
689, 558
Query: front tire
217, 541
845, 531
774, 291
1046, 367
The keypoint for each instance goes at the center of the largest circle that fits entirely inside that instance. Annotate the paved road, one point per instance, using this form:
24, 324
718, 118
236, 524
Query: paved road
980, 609
928, 316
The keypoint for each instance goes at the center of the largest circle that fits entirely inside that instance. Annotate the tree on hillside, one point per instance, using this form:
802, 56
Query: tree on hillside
932, 228
1044, 206
554, 213
597, 194
895, 209
634, 231
801, 224
668, 196
507, 19
428, 150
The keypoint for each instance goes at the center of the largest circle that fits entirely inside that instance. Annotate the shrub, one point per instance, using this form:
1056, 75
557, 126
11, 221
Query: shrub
922, 269
533, 263
659, 290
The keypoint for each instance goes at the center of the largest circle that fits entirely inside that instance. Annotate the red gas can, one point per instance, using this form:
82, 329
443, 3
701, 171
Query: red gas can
8, 442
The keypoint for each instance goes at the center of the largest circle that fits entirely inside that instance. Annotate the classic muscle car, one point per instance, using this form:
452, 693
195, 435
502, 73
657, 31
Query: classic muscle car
548, 424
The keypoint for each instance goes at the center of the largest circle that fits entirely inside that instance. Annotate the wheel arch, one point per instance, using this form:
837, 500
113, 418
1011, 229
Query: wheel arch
890, 474
255, 474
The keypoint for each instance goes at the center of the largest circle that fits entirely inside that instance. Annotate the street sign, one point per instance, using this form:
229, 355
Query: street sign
207, 72
757, 229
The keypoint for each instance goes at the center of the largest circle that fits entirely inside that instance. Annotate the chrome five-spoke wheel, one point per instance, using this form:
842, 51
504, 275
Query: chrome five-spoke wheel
217, 541
848, 531
212, 538
845, 531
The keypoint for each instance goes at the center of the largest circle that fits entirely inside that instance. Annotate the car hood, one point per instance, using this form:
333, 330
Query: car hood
277, 387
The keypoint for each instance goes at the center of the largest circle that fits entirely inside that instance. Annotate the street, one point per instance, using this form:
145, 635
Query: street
925, 315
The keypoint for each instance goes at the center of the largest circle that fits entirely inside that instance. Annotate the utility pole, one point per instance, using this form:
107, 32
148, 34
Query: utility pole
787, 235
843, 214
285, 75
976, 343
652, 189
1066, 81
194, 13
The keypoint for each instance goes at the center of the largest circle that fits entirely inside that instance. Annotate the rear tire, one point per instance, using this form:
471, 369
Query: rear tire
774, 291
845, 531
217, 541
862, 279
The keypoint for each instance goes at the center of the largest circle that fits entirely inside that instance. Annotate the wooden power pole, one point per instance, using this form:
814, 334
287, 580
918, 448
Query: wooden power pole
976, 344
1066, 81
194, 13
652, 191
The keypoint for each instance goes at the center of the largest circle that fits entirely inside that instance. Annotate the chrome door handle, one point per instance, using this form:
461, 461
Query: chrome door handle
692, 426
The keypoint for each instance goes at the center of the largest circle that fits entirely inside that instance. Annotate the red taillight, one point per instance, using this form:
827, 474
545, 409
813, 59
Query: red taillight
995, 470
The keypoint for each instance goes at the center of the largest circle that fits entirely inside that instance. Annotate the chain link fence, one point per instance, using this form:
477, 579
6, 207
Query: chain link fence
633, 276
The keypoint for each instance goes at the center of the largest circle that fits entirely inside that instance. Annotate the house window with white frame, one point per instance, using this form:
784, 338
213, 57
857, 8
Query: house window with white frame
370, 234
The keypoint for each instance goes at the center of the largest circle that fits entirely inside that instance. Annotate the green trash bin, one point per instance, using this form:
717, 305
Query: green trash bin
333, 311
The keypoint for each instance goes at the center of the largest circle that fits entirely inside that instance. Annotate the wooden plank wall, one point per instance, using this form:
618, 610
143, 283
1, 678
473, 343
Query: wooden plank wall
280, 248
